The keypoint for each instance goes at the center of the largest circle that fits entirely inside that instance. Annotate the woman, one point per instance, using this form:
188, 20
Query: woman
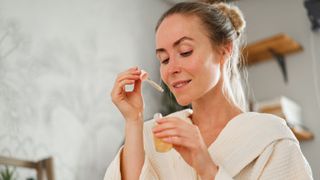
197, 45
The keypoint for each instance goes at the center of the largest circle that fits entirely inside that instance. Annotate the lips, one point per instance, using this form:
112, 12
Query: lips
181, 83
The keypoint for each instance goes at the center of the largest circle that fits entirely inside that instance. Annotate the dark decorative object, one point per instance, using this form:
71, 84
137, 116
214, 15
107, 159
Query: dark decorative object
313, 8
281, 62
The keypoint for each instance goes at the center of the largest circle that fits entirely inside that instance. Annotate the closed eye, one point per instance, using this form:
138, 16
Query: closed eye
166, 61
186, 54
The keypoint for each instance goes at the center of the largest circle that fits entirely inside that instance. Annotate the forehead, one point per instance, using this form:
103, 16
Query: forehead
176, 26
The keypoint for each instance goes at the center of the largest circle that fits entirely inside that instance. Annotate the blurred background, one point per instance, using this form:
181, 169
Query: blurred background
59, 59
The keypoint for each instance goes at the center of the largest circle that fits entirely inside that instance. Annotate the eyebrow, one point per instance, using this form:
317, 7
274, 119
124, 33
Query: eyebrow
176, 43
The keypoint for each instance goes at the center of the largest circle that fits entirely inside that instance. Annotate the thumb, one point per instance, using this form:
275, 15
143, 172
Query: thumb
137, 86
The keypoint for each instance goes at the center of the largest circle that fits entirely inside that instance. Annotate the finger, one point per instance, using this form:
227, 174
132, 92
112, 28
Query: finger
137, 85
135, 71
119, 87
131, 71
128, 76
164, 126
123, 76
134, 68
126, 82
168, 122
178, 141
180, 131
167, 133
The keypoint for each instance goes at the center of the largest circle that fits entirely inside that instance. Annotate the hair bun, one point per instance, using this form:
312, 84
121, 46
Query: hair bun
234, 14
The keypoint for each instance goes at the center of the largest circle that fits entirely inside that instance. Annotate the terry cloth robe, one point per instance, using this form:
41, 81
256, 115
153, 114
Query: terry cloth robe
251, 146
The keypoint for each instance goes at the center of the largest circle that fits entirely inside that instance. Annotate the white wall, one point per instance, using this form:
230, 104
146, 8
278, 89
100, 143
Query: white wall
59, 58
267, 18
58, 61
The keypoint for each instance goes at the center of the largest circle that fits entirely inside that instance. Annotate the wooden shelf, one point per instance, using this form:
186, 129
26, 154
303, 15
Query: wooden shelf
302, 135
276, 108
259, 51
44, 167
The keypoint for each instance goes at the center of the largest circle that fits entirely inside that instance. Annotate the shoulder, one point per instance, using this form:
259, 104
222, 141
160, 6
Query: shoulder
246, 136
263, 124
260, 118
286, 158
255, 129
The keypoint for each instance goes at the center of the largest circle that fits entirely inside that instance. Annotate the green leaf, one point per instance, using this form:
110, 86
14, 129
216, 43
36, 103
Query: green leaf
7, 174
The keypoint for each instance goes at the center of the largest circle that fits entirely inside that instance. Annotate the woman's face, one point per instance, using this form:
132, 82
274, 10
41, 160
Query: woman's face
189, 65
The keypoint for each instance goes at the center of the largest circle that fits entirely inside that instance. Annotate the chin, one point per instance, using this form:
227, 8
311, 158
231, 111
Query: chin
183, 101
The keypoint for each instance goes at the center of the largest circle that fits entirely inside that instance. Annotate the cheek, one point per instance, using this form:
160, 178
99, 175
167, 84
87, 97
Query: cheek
198, 67
212, 66
213, 75
208, 71
216, 73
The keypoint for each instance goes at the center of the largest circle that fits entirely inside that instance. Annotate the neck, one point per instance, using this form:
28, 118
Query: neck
213, 111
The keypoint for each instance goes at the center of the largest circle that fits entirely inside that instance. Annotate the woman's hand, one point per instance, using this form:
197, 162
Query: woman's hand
130, 104
187, 140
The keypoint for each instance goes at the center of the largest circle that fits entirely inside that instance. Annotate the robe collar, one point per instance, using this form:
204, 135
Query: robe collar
245, 137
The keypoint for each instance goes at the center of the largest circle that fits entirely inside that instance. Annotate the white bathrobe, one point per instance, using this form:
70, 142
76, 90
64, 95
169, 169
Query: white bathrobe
251, 146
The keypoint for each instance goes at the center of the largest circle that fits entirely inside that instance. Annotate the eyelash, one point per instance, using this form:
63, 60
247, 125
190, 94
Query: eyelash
184, 54
165, 61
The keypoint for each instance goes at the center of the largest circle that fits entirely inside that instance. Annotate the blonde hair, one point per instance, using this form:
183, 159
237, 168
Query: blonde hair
224, 24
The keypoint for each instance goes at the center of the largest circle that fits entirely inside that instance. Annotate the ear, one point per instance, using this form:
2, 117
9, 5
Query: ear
226, 51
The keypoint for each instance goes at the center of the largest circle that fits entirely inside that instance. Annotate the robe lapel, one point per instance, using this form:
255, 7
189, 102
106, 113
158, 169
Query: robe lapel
245, 137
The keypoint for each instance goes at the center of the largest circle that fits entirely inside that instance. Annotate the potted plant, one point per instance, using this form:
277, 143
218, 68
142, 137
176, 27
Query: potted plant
7, 174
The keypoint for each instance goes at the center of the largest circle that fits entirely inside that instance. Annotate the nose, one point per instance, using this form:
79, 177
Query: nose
174, 67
